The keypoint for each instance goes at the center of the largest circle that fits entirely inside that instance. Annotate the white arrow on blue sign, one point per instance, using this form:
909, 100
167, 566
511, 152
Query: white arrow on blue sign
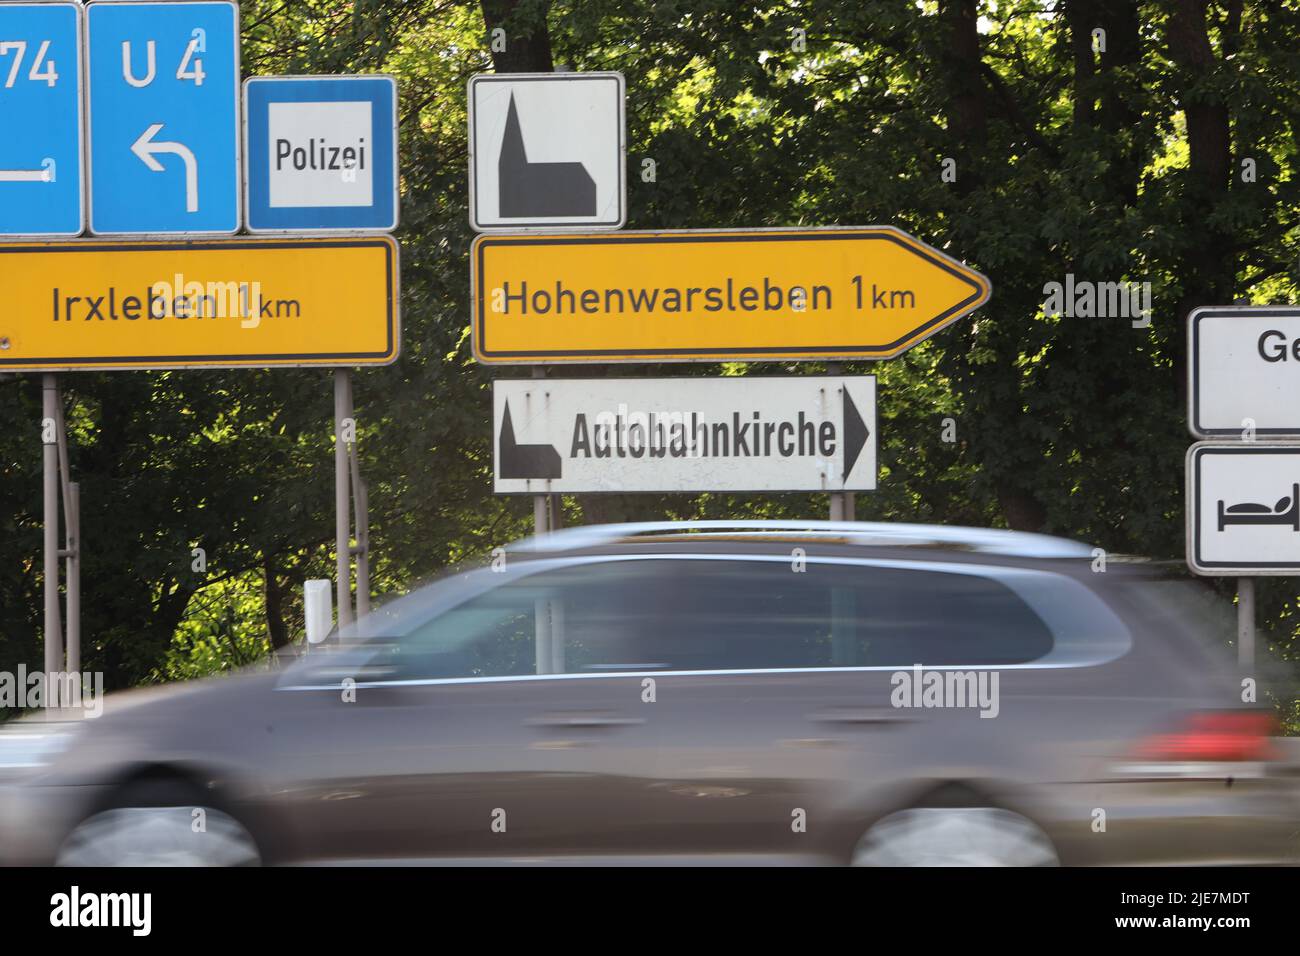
321, 153
41, 191
163, 118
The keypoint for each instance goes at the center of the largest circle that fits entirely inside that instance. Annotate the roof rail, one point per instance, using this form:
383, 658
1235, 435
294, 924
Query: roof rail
984, 540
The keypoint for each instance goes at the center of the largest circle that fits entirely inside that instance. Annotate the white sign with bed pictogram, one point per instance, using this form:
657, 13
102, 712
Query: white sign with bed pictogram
1243, 508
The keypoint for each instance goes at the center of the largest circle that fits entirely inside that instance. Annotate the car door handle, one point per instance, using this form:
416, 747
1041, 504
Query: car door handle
860, 716
579, 719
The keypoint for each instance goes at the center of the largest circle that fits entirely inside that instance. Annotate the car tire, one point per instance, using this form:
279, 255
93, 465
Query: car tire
954, 836
160, 823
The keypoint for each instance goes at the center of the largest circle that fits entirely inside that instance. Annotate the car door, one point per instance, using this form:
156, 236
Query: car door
748, 730
784, 713
456, 732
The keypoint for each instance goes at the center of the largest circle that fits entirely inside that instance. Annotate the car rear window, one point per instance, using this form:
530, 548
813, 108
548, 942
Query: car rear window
684, 614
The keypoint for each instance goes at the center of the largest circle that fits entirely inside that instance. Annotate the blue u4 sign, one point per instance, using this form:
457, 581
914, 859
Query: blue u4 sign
163, 117
40, 102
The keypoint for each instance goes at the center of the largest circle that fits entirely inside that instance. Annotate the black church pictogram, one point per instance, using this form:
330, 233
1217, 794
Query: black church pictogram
515, 460
531, 190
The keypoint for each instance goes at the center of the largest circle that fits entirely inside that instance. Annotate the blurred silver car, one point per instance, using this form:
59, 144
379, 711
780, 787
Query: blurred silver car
792, 692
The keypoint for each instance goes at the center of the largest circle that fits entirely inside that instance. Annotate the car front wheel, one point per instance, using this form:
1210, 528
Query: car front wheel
159, 825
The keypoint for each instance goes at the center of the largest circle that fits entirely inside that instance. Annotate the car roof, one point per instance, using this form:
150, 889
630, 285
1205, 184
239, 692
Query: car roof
990, 541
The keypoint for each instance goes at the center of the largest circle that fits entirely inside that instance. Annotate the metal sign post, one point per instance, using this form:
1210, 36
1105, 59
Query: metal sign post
843, 504
1246, 623
53, 626
73, 575
541, 504
349, 490
342, 538
543, 632
58, 487
71, 497
361, 507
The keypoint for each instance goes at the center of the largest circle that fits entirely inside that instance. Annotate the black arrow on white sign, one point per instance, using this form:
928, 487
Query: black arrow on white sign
855, 433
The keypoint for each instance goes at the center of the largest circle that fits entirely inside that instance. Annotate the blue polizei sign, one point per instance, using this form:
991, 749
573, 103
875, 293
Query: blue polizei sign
163, 117
41, 190
321, 153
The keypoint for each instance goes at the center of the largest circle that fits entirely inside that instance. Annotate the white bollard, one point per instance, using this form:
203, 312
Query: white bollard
318, 607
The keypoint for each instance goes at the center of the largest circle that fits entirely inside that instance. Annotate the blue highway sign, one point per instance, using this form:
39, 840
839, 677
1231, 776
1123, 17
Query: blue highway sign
41, 188
163, 117
321, 153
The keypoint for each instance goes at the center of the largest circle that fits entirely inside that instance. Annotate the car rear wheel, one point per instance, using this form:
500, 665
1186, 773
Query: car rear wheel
955, 836
160, 824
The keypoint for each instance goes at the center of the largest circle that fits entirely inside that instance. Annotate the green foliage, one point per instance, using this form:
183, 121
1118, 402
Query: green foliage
1066, 163
224, 628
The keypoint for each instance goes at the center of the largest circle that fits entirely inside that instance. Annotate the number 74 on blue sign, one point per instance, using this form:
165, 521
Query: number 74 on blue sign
42, 68
41, 189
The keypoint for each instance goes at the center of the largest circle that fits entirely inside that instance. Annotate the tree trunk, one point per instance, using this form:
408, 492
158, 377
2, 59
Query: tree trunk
961, 66
275, 594
1210, 273
527, 41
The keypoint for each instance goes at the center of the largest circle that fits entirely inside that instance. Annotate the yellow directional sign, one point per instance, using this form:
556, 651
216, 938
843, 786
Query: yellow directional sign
707, 295
221, 304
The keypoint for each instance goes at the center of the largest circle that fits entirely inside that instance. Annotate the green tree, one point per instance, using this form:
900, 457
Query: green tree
1108, 139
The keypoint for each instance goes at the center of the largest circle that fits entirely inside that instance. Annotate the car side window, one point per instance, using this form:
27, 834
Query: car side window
587, 618
652, 614
491, 635
682, 614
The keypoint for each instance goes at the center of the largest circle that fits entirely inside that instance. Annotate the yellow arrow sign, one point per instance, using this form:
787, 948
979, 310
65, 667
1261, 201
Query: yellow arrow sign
706, 295
219, 303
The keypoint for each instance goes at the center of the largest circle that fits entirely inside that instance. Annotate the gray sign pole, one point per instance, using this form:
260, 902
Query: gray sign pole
342, 538
73, 573
71, 499
361, 502
540, 517
1246, 623
543, 632
50, 462
541, 506
361, 507
841, 501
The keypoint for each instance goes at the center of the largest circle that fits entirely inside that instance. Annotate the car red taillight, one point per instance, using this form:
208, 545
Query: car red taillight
1229, 735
